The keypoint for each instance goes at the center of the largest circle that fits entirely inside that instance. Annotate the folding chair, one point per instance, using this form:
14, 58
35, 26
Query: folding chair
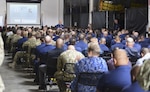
88, 79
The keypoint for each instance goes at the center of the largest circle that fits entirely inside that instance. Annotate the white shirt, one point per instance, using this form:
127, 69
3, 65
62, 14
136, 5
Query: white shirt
140, 61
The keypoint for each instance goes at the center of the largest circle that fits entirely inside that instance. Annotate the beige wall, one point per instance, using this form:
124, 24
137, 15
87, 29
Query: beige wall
52, 11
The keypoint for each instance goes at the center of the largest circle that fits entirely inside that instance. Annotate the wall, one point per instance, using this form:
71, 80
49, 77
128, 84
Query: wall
51, 11
2, 10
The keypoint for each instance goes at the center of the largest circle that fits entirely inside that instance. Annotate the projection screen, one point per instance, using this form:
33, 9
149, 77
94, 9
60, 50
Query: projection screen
23, 13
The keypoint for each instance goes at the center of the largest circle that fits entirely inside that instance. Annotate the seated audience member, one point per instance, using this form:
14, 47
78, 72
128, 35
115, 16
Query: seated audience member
20, 54
95, 40
68, 56
143, 41
132, 53
43, 51
73, 42
44, 69
107, 37
117, 44
137, 46
103, 45
22, 40
110, 62
41, 55
119, 77
140, 79
81, 43
93, 63
145, 53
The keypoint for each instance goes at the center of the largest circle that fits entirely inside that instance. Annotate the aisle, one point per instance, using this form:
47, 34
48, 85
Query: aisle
18, 80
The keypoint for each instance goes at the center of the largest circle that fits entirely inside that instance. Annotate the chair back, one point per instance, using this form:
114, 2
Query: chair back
113, 89
89, 79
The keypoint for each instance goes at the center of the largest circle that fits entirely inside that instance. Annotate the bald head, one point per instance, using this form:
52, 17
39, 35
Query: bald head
59, 43
71, 47
120, 57
48, 39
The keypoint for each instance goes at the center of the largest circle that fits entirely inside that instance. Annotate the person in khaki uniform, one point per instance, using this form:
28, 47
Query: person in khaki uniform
69, 56
31, 43
14, 39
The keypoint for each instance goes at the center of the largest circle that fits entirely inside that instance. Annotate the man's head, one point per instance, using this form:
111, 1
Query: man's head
130, 42
72, 41
71, 47
59, 43
18, 32
115, 21
94, 40
93, 49
117, 39
144, 51
25, 33
81, 37
48, 39
102, 41
120, 57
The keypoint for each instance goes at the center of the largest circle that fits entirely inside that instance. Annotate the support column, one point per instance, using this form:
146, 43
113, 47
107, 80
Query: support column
107, 20
125, 19
91, 2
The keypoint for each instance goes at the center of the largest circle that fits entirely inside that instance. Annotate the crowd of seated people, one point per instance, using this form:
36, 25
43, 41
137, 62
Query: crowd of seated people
87, 49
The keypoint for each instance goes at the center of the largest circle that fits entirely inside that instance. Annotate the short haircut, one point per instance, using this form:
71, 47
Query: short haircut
145, 50
72, 41
94, 47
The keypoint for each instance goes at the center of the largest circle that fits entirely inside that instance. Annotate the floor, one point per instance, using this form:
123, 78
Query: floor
19, 80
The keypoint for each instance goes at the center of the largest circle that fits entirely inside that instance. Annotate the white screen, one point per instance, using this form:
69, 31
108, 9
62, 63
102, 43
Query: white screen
23, 13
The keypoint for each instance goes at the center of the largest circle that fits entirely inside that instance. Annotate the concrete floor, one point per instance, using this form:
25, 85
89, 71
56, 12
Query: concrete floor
19, 80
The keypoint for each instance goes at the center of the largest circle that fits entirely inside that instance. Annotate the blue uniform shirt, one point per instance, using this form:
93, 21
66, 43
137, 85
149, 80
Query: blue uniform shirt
119, 45
20, 43
119, 77
82, 45
89, 64
135, 87
104, 47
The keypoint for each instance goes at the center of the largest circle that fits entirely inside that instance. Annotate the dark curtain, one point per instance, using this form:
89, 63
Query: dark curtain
137, 19
111, 20
98, 20
84, 19
67, 20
